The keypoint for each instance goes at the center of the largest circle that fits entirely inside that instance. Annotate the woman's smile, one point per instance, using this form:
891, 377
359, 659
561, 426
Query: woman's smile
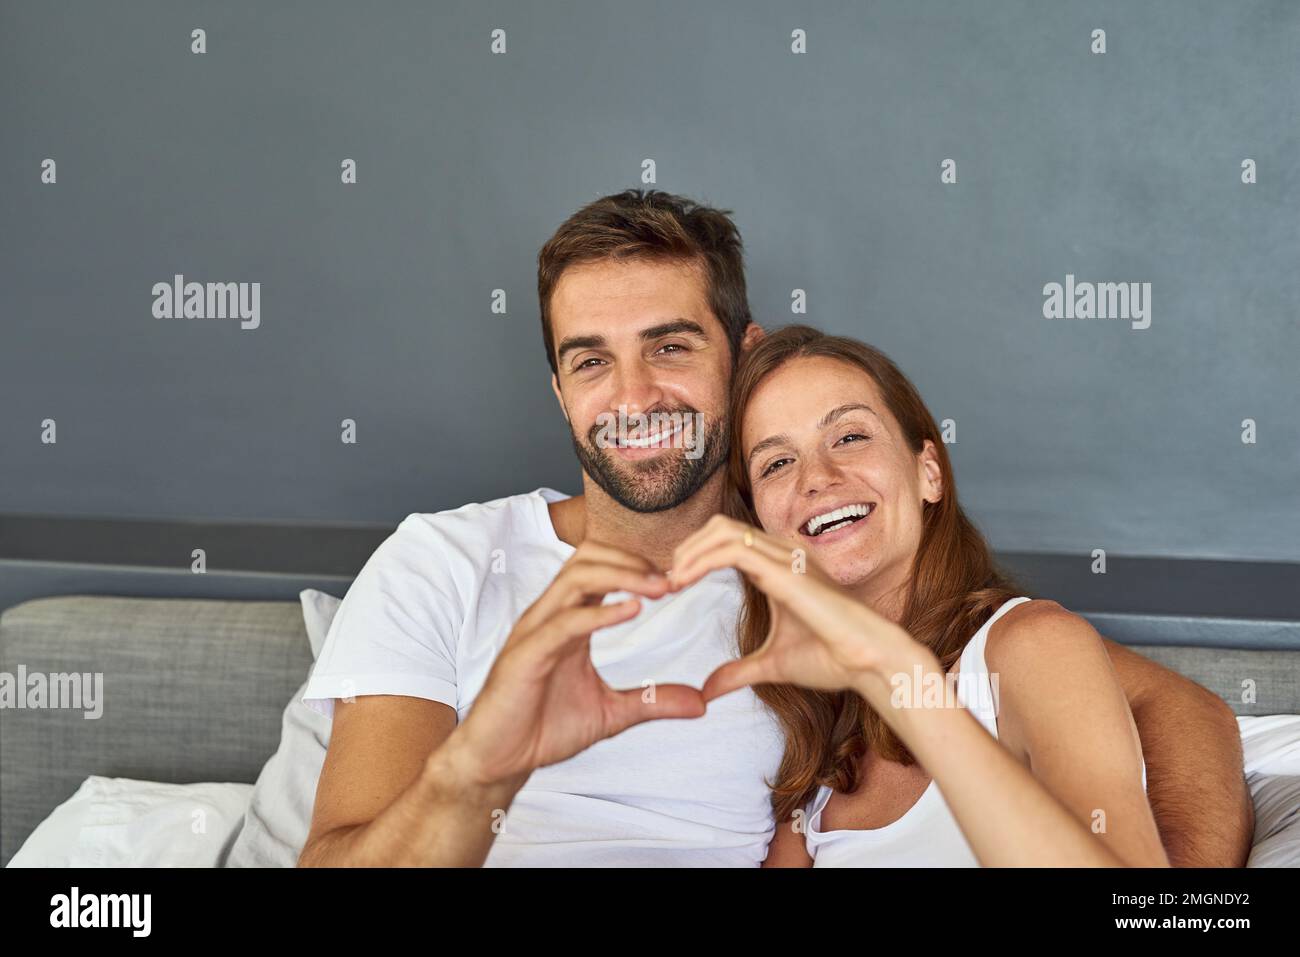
837, 523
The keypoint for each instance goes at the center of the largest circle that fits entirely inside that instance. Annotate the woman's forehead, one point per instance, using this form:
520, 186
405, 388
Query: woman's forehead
801, 392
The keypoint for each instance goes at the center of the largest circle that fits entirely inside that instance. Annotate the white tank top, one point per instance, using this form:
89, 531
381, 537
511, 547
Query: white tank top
927, 835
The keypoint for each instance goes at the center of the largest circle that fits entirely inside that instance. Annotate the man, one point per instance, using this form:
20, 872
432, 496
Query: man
474, 716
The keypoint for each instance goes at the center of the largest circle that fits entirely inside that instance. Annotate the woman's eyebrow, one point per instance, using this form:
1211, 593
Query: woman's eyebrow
831, 416
770, 442
836, 413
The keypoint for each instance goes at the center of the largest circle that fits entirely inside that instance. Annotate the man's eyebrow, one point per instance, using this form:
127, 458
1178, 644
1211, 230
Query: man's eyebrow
579, 342
672, 327
831, 416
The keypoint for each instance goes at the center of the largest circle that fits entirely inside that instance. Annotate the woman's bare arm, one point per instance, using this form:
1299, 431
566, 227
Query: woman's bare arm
788, 848
1080, 800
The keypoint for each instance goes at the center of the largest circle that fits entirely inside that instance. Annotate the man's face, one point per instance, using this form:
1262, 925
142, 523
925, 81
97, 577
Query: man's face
644, 370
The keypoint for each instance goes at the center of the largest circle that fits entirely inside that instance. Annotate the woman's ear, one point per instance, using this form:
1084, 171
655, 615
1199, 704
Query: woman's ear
931, 473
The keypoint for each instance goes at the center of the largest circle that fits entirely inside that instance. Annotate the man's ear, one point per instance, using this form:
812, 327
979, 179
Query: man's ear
931, 474
555, 387
753, 335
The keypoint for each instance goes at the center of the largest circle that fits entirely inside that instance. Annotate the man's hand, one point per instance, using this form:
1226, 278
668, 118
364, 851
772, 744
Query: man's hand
543, 700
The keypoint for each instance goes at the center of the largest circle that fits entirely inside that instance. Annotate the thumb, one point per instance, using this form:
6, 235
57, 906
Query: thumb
751, 670
665, 701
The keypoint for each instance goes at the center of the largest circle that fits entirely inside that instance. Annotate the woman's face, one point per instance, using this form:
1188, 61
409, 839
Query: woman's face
829, 468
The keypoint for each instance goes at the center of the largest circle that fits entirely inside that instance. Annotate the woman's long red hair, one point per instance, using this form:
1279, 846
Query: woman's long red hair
954, 587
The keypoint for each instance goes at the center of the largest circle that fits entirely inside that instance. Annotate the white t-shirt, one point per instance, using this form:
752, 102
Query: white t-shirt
434, 604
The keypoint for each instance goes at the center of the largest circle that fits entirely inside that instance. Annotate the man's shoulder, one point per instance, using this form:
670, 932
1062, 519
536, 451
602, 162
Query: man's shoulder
472, 531
478, 519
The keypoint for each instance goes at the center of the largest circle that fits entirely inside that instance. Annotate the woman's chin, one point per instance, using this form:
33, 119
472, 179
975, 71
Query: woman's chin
849, 571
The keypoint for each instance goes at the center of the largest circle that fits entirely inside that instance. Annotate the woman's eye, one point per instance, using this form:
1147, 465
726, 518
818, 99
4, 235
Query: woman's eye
853, 437
772, 467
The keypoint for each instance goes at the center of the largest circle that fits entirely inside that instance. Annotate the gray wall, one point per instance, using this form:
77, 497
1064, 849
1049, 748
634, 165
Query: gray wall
375, 297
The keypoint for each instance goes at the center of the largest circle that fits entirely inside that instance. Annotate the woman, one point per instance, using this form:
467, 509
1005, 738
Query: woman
932, 715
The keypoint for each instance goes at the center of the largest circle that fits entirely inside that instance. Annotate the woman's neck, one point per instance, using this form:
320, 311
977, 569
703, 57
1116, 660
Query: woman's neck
885, 593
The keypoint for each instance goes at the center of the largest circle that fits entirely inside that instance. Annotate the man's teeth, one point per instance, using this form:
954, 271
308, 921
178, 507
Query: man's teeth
643, 442
838, 518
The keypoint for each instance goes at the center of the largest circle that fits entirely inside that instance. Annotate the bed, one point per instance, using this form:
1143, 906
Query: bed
202, 754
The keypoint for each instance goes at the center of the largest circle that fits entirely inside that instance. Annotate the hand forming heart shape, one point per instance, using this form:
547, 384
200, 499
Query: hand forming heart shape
821, 636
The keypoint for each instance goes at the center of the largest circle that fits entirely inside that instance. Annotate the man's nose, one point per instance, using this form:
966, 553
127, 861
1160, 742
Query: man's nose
636, 387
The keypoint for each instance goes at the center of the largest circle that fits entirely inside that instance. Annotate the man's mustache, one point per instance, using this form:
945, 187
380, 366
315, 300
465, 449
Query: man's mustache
683, 425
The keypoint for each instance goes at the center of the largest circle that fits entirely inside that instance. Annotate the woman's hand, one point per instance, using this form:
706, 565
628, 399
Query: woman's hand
821, 636
824, 638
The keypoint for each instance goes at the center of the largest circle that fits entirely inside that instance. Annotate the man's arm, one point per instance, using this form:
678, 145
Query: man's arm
1192, 748
404, 784
386, 780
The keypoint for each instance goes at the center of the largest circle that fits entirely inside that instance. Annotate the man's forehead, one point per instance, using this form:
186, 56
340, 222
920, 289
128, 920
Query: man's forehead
621, 280
609, 298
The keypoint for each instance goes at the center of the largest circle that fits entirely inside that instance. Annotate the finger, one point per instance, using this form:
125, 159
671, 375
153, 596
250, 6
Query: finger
587, 582
588, 552
762, 559
706, 536
806, 596
751, 670
634, 705
811, 598
687, 568
574, 624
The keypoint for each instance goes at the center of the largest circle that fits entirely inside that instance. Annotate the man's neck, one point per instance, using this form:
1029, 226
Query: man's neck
653, 535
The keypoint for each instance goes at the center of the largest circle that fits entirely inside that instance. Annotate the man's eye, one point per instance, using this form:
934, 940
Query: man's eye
586, 363
672, 345
772, 467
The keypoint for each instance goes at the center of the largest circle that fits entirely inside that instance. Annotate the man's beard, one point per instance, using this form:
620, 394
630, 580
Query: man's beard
655, 484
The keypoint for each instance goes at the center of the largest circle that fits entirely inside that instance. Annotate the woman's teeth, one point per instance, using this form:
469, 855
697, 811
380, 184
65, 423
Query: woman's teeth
837, 518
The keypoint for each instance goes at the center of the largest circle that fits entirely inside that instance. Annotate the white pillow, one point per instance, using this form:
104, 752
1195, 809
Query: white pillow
118, 822
1271, 749
279, 815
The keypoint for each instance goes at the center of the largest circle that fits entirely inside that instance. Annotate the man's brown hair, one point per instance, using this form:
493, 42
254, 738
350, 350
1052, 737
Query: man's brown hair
651, 225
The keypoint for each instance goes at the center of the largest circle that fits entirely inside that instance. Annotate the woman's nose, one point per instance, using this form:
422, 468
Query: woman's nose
817, 475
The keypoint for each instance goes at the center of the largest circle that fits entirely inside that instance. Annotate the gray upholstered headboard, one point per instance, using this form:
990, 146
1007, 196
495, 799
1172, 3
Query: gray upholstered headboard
194, 689
1252, 664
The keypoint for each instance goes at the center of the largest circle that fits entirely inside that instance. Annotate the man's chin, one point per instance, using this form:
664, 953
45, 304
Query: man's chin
639, 495
648, 485
665, 462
